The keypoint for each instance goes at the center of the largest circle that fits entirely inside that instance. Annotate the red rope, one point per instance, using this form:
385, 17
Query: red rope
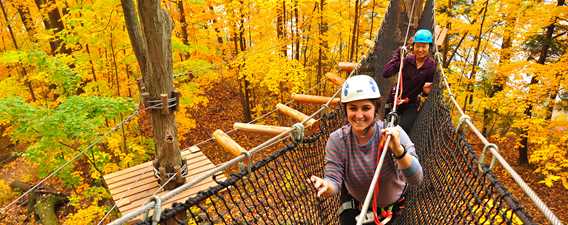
376, 191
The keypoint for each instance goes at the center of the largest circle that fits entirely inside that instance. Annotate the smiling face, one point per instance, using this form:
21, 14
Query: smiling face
360, 114
421, 50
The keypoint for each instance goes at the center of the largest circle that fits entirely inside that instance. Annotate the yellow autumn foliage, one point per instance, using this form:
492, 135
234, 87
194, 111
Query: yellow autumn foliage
6, 193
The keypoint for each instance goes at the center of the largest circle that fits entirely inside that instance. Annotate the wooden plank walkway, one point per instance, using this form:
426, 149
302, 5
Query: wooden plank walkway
133, 187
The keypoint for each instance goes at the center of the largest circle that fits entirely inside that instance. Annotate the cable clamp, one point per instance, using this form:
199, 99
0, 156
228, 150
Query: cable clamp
461, 122
482, 157
166, 103
297, 133
157, 210
248, 156
438, 57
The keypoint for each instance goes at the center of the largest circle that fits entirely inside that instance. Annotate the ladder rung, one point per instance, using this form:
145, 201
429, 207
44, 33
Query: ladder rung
294, 114
261, 129
441, 33
228, 144
334, 78
314, 99
346, 66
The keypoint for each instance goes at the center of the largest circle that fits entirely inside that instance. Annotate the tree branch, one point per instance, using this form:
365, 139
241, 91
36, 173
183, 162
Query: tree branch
137, 38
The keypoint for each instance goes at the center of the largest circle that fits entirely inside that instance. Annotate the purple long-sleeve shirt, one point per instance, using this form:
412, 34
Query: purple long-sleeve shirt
353, 165
413, 78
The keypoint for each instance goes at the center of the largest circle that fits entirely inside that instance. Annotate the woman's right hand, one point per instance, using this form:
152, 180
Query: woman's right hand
324, 187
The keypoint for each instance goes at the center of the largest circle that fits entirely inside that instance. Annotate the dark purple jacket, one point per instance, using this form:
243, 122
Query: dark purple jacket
413, 78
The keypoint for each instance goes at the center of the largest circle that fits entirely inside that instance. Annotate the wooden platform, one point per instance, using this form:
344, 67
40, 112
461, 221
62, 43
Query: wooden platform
133, 187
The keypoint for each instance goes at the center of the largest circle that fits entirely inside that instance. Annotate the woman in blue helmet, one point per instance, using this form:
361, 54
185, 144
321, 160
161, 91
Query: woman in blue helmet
417, 76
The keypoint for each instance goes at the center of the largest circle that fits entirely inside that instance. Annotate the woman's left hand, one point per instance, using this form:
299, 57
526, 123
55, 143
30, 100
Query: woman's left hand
394, 143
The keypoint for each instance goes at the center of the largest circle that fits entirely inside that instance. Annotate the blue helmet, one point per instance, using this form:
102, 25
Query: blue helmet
423, 36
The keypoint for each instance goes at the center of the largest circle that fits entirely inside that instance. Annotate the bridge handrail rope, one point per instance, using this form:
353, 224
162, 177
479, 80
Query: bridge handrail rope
75, 157
391, 123
493, 149
276, 139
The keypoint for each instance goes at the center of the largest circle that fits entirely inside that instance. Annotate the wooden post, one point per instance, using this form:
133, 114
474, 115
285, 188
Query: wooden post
260, 129
294, 114
150, 32
314, 99
165, 104
334, 78
228, 144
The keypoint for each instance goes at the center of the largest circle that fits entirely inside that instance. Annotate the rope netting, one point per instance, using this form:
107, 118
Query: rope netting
455, 190
276, 190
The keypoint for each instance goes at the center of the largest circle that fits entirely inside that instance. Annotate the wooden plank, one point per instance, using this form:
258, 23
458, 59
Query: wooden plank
133, 187
137, 167
148, 194
146, 190
148, 167
314, 99
150, 173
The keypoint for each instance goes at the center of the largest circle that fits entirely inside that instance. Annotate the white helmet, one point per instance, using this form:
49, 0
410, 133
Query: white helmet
359, 87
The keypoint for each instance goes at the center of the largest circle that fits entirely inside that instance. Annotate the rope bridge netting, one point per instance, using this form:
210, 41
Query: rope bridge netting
276, 190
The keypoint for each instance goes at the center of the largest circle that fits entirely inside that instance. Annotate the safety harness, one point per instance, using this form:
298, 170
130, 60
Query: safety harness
377, 215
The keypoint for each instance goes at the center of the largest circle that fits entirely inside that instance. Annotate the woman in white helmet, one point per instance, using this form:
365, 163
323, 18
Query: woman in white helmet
352, 151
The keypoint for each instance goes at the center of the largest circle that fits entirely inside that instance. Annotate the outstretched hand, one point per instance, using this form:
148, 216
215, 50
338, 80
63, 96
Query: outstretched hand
323, 187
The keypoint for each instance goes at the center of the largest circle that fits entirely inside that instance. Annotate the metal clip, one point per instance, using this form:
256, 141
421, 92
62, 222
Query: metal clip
157, 210
248, 155
482, 156
297, 133
461, 121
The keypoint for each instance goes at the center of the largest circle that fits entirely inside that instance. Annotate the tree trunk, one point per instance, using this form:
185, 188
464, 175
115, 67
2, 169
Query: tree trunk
447, 38
240, 45
449, 59
505, 56
323, 45
354, 32
43, 202
153, 52
22, 72
183, 27
280, 28
372, 20
524, 148
296, 31
469, 89
53, 22
555, 87
115, 66
217, 30
357, 35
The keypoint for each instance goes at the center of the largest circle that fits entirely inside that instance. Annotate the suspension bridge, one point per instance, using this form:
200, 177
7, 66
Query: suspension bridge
459, 186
